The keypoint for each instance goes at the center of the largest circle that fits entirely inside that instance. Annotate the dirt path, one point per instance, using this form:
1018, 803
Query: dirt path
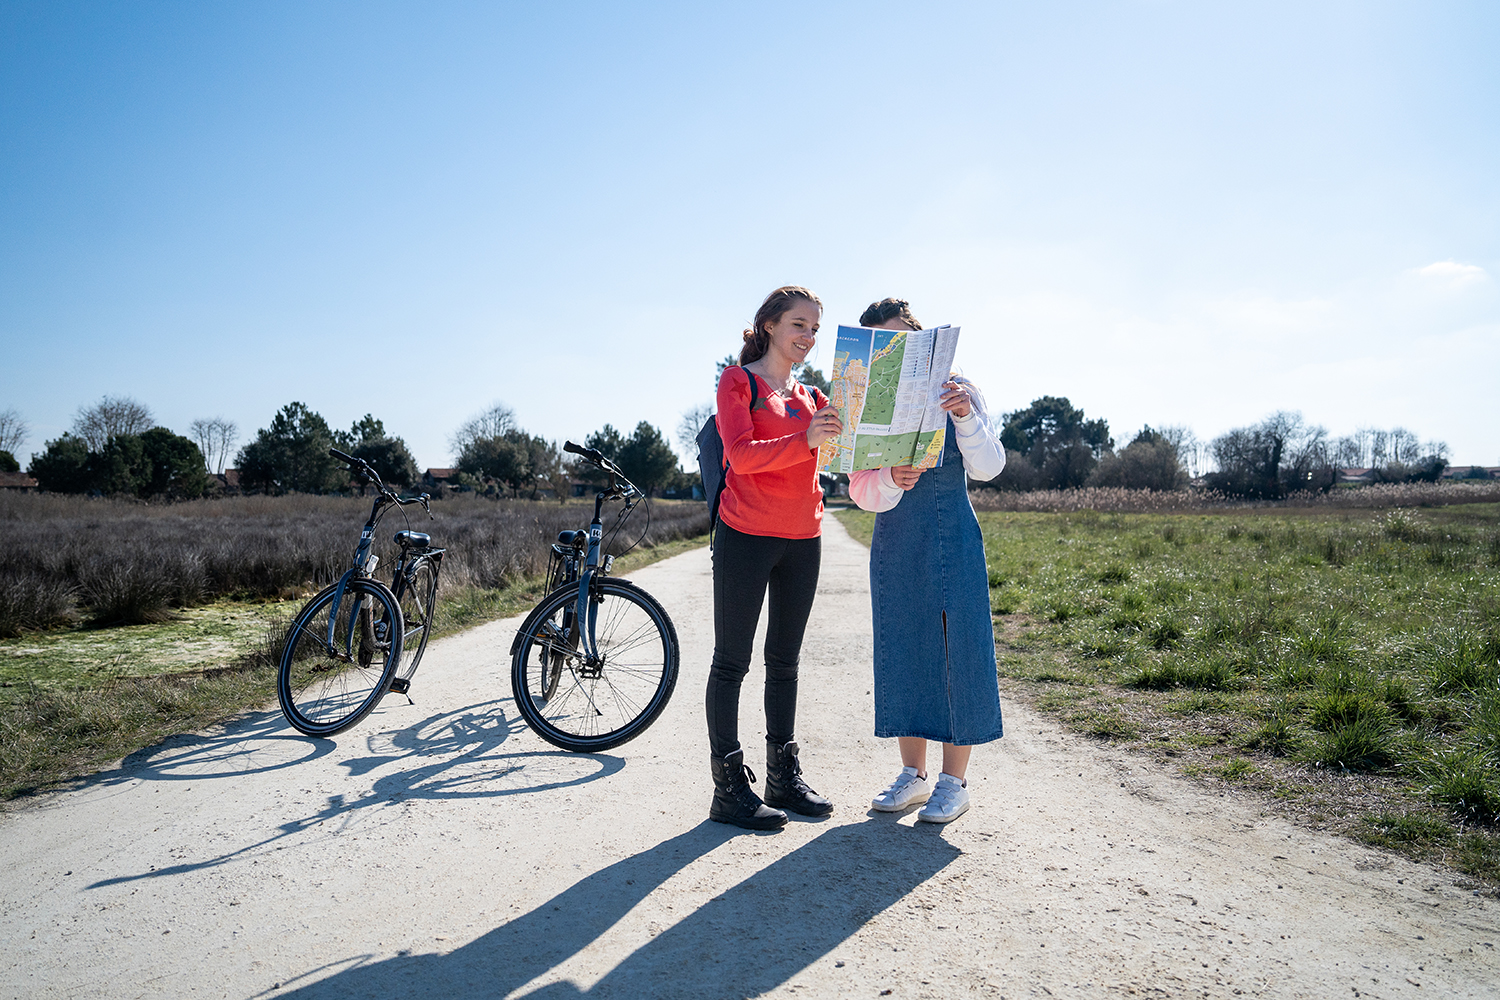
442, 850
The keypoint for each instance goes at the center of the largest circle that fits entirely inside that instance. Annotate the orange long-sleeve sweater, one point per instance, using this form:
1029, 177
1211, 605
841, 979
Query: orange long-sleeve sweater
772, 484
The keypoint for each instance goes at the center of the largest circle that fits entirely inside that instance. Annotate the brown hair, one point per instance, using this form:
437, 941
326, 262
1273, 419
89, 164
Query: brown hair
879, 312
757, 340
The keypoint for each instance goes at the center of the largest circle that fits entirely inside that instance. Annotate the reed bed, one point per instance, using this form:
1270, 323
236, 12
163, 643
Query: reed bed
112, 562
1119, 500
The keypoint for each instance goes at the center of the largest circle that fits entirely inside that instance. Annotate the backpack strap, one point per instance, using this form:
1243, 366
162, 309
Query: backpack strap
713, 510
754, 396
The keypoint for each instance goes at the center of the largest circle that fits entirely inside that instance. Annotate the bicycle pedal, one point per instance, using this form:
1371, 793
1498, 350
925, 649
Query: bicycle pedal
400, 685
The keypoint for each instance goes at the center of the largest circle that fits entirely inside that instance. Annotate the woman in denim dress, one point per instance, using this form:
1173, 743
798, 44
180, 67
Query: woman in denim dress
935, 675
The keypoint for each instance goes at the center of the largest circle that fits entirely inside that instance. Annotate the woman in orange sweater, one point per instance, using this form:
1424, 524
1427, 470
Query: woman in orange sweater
768, 538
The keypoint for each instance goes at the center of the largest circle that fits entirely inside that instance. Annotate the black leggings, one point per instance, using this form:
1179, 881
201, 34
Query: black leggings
744, 566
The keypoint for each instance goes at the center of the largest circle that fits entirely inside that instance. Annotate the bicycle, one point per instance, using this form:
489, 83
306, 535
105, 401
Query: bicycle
344, 649
594, 664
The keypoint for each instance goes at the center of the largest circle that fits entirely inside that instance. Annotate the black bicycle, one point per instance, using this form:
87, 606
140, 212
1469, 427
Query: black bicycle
595, 662
358, 638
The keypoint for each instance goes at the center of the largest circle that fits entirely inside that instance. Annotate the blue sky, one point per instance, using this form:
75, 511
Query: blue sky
1172, 213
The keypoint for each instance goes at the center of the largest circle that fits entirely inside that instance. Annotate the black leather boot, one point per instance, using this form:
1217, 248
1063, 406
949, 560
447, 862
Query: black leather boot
785, 788
735, 801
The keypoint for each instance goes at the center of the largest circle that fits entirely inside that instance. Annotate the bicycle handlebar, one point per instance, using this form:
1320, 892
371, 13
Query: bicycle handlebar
366, 469
589, 453
593, 455
360, 466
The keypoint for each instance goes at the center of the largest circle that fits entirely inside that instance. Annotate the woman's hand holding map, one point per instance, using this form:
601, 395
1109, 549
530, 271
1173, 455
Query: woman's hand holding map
905, 476
955, 398
825, 426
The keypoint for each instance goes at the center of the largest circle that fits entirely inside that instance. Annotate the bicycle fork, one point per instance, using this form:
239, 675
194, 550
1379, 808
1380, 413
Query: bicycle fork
361, 618
587, 612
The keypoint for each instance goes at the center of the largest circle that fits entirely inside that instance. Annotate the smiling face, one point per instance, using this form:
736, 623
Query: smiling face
795, 331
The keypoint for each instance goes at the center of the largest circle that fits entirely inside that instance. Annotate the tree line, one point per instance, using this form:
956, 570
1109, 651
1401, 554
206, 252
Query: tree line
1051, 444
116, 448
496, 454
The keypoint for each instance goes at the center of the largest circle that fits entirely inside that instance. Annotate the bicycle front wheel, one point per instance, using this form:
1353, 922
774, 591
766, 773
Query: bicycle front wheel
584, 705
325, 684
418, 598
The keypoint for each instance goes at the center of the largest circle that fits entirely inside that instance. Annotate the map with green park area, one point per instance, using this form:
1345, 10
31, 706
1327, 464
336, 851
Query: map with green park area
885, 376
884, 391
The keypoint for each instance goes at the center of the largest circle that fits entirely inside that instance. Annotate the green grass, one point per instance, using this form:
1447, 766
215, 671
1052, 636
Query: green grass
73, 700
197, 639
1273, 648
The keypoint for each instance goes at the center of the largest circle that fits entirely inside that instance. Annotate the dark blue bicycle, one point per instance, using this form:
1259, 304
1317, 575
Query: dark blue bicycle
594, 664
358, 638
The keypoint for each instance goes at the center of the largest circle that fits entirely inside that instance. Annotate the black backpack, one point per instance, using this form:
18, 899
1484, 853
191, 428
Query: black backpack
711, 464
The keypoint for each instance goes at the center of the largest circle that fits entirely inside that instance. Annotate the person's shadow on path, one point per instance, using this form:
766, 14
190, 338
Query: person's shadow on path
743, 942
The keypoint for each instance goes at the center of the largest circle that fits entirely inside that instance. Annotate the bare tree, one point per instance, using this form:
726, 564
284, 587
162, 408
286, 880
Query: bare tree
110, 417
1349, 451
215, 437
1190, 451
1405, 448
1362, 444
1277, 456
492, 423
13, 431
688, 428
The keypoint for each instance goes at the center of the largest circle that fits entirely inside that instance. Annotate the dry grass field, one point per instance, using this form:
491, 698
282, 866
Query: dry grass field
122, 623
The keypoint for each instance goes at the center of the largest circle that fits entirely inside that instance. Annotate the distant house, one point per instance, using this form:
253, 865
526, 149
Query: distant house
1471, 472
434, 478
17, 481
228, 480
1356, 475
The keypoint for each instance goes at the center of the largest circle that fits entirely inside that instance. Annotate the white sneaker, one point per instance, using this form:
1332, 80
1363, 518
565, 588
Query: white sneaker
907, 790
949, 800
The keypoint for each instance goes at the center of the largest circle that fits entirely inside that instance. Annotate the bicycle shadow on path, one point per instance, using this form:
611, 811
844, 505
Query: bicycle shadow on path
744, 941
451, 755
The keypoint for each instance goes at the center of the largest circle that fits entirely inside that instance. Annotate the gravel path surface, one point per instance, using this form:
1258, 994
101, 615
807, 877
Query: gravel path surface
442, 850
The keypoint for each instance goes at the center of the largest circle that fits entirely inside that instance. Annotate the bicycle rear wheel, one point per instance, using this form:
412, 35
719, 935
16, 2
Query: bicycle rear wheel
583, 706
325, 689
418, 599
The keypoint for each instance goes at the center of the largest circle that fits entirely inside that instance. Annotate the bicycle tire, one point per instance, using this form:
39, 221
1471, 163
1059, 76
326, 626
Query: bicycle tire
418, 599
323, 694
590, 709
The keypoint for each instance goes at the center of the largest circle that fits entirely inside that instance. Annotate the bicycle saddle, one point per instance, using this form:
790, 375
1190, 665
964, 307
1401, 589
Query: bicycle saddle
413, 539
574, 538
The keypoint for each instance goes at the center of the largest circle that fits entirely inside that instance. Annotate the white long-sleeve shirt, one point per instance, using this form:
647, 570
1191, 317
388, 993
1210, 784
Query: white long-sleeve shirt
984, 458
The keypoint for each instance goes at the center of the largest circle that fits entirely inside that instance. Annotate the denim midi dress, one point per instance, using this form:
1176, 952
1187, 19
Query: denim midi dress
930, 594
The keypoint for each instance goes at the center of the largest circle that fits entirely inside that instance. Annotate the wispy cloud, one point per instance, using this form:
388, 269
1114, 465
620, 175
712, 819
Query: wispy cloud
1453, 274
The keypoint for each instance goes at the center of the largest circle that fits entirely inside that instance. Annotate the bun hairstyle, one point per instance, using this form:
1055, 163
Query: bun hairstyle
757, 340
879, 312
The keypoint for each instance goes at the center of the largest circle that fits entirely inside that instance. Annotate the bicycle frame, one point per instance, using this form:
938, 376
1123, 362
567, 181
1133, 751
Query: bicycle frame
360, 568
364, 561
586, 610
